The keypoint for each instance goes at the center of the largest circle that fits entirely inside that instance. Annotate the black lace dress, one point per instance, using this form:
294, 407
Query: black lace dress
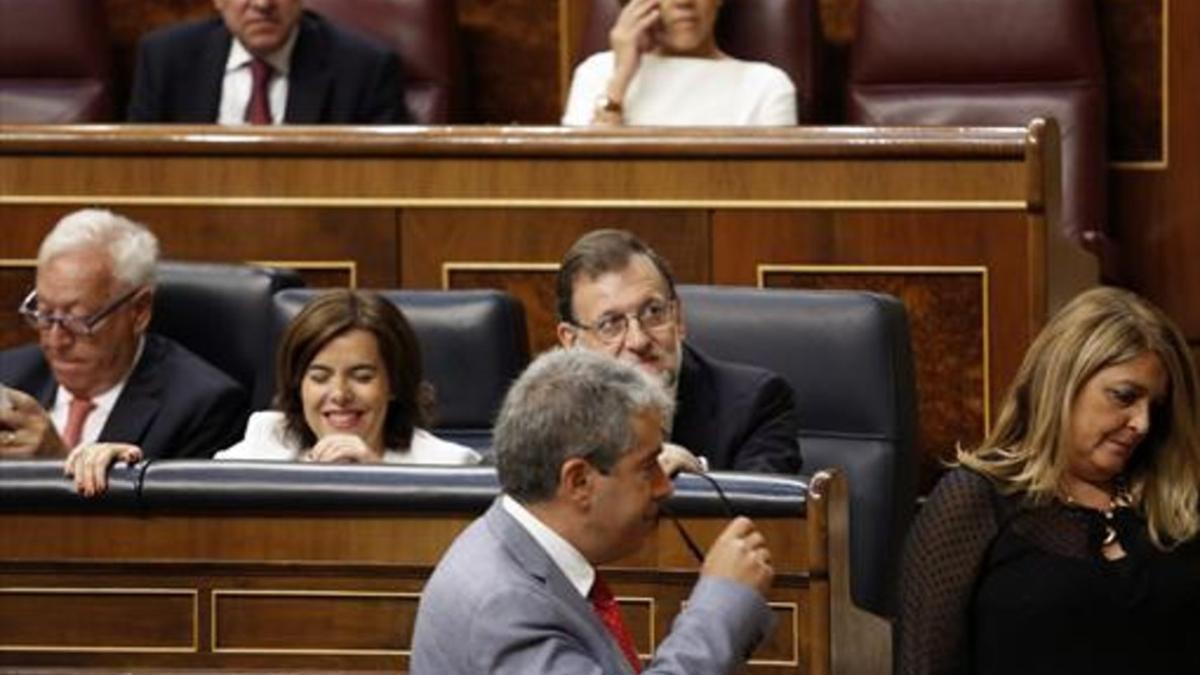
992, 587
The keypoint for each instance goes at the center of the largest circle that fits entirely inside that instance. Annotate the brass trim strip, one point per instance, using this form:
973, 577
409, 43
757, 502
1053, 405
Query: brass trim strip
647, 600
451, 266
1164, 152
794, 608
350, 266
487, 202
31, 590
984, 303
216, 593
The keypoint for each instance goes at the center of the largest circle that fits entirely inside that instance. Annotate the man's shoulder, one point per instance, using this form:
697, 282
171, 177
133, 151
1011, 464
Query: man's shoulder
731, 376
168, 360
23, 367
181, 36
343, 42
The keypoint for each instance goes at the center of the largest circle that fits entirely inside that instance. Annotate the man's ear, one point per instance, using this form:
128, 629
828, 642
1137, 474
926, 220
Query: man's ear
576, 480
568, 335
143, 309
680, 324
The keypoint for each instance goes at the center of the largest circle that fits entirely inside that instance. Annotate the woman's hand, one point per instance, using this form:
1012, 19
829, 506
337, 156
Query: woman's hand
344, 449
89, 464
632, 35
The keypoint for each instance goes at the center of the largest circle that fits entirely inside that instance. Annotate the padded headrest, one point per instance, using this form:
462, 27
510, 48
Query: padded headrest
223, 313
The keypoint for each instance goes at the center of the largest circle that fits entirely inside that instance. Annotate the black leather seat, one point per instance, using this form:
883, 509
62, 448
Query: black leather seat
224, 314
847, 356
473, 345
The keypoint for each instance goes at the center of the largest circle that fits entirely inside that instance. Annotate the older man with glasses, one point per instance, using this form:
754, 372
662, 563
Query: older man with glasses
616, 295
96, 375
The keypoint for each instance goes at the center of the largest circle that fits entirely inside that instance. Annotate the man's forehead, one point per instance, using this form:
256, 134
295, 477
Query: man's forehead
638, 279
76, 272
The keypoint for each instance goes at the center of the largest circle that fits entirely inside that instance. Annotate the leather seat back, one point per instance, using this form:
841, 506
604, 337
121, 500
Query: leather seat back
424, 36
223, 313
847, 357
991, 63
55, 62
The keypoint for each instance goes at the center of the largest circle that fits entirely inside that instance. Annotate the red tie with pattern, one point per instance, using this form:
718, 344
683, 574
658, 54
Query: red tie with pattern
605, 606
258, 111
77, 413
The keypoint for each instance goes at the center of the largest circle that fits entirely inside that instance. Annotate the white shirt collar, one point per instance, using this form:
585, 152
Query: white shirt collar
280, 59
577, 569
105, 401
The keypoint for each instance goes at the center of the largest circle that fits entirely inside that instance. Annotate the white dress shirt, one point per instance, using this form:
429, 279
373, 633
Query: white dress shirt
236, 86
577, 569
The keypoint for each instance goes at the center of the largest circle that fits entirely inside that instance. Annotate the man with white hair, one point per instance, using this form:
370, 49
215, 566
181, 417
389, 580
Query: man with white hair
96, 375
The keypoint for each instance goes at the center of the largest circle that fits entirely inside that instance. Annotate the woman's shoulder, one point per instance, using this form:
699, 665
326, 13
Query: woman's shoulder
598, 62
265, 438
965, 487
426, 448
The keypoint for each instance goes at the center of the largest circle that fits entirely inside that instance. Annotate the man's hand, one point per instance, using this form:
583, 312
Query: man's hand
26, 430
676, 458
740, 553
88, 465
342, 449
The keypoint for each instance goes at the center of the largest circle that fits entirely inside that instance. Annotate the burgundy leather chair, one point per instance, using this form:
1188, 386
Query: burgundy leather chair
784, 33
993, 62
55, 62
424, 36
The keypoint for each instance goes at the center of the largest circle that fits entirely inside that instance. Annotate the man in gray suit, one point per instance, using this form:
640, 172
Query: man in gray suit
576, 443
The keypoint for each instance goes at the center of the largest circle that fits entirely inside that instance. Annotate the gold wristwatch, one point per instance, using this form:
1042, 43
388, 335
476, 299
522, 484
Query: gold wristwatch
605, 104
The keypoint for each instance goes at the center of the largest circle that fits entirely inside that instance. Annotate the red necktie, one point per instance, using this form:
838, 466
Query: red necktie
77, 412
605, 606
258, 111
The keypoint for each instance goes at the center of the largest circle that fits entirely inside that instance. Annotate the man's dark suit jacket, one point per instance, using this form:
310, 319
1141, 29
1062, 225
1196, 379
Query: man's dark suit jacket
336, 77
740, 417
174, 403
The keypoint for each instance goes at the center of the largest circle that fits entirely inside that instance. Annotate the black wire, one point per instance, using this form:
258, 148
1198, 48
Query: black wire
687, 539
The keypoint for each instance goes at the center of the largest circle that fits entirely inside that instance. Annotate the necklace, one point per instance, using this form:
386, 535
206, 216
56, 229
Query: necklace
1120, 499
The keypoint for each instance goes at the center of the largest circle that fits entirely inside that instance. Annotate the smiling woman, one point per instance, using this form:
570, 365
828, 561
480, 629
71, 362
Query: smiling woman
349, 388
1071, 532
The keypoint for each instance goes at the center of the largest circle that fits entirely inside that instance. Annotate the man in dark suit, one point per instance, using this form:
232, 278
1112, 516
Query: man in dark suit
518, 592
265, 61
617, 296
96, 376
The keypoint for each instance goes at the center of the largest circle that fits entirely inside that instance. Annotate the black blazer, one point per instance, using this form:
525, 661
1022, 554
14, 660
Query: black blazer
740, 417
174, 403
336, 77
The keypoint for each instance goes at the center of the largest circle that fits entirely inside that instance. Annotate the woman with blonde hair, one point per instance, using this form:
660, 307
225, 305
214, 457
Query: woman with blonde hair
1067, 541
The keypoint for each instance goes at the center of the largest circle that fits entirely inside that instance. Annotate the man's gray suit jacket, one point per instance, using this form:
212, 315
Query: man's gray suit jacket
498, 604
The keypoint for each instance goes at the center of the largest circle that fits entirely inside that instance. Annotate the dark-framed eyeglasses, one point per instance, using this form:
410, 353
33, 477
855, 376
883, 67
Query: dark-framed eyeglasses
654, 314
73, 324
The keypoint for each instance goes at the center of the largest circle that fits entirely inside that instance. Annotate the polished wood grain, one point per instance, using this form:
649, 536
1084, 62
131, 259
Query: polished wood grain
310, 590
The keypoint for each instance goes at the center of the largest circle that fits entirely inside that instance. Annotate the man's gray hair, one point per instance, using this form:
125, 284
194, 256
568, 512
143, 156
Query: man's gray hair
569, 403
132, 249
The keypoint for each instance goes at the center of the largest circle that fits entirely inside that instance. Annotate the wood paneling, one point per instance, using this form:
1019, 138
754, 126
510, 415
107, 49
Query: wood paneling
514, 249
307, 589
961, 371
